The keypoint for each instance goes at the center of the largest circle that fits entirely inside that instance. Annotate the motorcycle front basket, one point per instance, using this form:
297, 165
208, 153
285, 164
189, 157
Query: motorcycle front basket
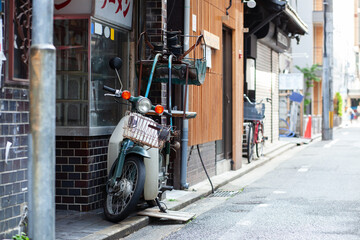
144, 130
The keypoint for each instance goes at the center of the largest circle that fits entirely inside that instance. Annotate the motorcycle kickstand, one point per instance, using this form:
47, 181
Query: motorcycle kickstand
162, 209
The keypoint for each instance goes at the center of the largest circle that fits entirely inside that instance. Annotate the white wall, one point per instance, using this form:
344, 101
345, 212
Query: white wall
344, 55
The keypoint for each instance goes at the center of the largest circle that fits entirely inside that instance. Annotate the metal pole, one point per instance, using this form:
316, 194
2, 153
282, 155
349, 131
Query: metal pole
42, 122
327, 71
185, 128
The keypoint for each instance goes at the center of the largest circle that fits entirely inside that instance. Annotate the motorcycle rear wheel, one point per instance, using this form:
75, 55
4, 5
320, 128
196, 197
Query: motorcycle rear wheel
120, 202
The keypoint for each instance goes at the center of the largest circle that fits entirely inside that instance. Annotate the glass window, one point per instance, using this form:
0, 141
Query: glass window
71, 42
106, 43
81, 75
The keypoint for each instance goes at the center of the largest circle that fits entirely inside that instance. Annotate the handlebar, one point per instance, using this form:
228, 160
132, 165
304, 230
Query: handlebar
109, 89
117, 93
254, 103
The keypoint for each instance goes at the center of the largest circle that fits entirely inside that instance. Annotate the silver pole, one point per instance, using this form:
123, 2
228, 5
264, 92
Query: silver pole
185, 128
42, 122
327, 71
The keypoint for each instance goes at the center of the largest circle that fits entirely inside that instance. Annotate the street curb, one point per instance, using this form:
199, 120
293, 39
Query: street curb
135, 223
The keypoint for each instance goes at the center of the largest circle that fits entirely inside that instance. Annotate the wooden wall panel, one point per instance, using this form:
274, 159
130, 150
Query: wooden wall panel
206, 100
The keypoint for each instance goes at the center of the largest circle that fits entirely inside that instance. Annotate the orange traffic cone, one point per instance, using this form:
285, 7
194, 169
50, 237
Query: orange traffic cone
308, 129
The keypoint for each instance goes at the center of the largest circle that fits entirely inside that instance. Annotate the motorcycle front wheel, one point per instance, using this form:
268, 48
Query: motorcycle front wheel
122, 198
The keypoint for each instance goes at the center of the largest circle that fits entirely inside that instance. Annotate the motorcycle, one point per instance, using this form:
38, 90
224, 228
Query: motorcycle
138, 167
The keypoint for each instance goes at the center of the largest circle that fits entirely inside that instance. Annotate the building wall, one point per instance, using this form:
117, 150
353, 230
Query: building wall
81, 172
14, 127
318, 5
317, 101
156, 16
196, 172
318, 44
206, 100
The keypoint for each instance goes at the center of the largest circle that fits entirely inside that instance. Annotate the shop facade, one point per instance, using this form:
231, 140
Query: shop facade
86, 36
268, 44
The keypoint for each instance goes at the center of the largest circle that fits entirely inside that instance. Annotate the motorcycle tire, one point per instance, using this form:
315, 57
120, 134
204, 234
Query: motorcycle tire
119, 205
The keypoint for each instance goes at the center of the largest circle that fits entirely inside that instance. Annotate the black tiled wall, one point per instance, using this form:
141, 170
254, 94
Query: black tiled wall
14, 128
80, 172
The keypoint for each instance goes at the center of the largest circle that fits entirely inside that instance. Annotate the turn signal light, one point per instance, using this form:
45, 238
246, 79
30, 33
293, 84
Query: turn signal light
159, 109
126, 95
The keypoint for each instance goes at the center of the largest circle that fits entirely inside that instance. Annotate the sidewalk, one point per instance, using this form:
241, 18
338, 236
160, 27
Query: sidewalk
93, 225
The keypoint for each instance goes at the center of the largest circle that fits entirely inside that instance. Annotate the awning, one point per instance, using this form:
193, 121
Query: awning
277, 11
299, 27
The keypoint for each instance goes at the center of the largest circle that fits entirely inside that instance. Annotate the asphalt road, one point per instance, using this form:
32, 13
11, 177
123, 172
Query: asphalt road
311, 192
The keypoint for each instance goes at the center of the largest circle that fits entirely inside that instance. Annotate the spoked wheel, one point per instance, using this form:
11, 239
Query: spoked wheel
250, 143
123, 195
260, 142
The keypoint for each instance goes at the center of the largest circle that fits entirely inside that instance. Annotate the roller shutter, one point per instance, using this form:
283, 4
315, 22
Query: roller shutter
267, 86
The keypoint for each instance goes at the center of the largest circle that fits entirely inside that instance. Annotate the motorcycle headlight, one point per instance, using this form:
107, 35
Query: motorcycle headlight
143, 105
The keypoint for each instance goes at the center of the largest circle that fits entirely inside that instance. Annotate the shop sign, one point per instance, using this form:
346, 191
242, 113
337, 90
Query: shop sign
282, 40
211, 40
291, 81
72, 7
118, 12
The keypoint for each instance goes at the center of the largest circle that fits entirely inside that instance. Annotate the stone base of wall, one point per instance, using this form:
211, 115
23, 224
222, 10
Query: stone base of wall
81, 172
195, 171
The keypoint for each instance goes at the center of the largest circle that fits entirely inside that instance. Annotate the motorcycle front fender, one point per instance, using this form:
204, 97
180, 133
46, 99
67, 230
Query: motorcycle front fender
151, 162
138, 151
151, 188
128, 148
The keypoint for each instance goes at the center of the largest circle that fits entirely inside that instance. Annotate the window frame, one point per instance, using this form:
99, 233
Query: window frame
77, 130
89, 130
9, 37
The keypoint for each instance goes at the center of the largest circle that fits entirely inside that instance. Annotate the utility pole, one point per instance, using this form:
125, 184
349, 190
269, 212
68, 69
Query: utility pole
327, 82
42, 123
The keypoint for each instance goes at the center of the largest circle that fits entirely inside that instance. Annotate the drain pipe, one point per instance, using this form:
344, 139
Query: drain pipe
185, 128
42, 71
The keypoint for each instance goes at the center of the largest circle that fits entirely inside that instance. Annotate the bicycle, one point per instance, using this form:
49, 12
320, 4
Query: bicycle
254, 114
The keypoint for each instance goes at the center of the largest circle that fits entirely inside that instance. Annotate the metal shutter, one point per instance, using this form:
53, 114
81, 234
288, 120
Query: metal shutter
263, 83
275, 96
267, 86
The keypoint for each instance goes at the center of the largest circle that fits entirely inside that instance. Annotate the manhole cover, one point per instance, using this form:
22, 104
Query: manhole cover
221, 193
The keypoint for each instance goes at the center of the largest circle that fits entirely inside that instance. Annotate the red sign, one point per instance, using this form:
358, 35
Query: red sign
118, 12
115, 11
62, 4
119, 2
72, 6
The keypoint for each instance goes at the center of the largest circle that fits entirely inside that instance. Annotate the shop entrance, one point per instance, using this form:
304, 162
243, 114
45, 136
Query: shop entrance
224, 146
